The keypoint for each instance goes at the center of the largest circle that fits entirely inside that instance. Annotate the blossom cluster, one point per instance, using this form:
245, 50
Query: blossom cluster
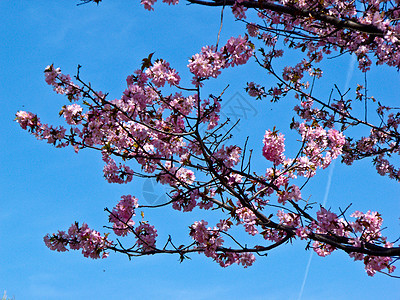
114, 173
274, 146
368, 224
185, 202
92, 243
209, 62
210, 241
121, 215
381, 143
228, 156
161, 134
146, 235
61, 83
31, 122
316, 142
148, 4
160, 73
248, 219
382, 19
319, 148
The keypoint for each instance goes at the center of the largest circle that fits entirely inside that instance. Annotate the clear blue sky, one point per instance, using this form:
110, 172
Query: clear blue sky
43, 189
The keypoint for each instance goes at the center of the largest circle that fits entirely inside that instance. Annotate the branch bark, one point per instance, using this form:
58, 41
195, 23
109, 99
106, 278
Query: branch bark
296, 12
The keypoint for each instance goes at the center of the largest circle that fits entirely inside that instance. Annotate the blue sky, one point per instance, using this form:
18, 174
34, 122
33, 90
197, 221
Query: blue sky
44, 189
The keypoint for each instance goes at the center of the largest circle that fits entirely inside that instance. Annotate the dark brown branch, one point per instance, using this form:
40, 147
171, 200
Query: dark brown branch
343, 244
296, 12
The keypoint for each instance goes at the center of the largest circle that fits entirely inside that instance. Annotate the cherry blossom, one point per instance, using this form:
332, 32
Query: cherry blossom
179, 137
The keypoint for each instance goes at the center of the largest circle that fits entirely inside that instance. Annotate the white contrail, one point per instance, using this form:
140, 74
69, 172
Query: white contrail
350, 72
327, 189
328, 184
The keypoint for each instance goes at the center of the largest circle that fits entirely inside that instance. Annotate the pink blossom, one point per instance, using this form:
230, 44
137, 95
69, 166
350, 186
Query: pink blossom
148, 4
234, 178
146, 236
239, 10
274, 147
72, 113
57, 241
53, 135
323, 249
247, 259
248, 219
173, 2
185, 202
26, 119
289, 219
185, 176
116, 174
93, 245
207, 63
377, 263
199, 231
255, 90
209, 113
357, 256
252, 29
239, 50
61, 83
302, 232
369, 224
206, 202
208, 239
273, 235
51, 74
292, 193
122, 213
161, 72
229, 156
224, 225
326, 220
